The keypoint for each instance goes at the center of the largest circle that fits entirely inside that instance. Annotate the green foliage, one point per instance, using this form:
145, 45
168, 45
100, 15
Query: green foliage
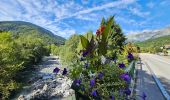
67, 52
116, 40
54, 49
9, 64
18, 55
84, 41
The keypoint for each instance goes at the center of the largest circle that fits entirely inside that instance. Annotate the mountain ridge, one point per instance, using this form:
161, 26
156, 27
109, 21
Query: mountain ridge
22, 27
149, 34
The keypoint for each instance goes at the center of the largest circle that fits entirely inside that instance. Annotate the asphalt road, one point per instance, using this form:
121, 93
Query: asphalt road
160, 66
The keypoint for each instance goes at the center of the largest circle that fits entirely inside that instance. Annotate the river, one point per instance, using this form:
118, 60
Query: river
46, 85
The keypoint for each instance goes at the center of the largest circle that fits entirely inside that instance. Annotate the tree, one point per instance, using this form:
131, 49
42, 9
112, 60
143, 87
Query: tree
68, 51
54, 49
18, 54
9, 64
116, 38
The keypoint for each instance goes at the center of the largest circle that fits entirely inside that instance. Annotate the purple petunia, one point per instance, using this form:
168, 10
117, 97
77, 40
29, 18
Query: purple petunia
126, 77
143, 96
130, 56
100, 75
112, 98
92, 82
81, 59
127, 91
115, 61
94, 93
86, 65
77, 82
121, 65
82, 88
56, 70
85, 53
64, 71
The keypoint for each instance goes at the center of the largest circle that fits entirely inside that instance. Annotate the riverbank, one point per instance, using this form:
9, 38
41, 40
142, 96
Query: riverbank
45, 84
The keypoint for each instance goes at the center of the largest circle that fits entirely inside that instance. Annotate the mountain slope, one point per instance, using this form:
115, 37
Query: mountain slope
151, 34
155, 42
24, 28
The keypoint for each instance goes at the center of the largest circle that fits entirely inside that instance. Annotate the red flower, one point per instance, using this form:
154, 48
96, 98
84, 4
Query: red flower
100, 30
97, 32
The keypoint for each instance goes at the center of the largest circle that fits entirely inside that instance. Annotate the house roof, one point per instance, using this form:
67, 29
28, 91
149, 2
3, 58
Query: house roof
167, 46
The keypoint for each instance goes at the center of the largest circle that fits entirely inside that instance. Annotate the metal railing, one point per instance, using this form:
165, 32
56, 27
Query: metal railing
131, 70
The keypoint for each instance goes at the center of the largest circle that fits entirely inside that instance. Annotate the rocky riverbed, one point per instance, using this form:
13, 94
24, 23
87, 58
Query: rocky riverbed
46, 85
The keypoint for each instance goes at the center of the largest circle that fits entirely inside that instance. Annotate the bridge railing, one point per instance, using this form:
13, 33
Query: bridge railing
131, 70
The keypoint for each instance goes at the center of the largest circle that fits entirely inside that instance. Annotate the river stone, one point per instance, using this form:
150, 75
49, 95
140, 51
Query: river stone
21, 97
45, 87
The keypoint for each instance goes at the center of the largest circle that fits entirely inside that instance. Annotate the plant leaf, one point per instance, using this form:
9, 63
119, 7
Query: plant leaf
107, 29
84, 42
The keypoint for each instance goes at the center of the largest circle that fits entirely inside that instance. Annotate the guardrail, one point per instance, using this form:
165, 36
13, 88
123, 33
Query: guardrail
131, 70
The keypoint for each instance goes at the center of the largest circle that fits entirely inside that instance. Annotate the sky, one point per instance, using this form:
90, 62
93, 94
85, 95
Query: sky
67, 17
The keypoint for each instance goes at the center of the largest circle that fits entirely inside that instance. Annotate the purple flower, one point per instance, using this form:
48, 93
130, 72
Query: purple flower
56, 70
143, 96
83, 89
121, 65
130, 56
115, 61
127, 91
100, 75
94, 93
112, 97
86, 65
81, 59
85, 53
64, 71
92, 82
77, 82
125, 77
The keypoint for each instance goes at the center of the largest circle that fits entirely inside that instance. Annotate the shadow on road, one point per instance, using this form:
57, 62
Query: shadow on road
145, 83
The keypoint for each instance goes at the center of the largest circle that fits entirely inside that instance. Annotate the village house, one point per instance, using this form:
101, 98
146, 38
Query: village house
167, 47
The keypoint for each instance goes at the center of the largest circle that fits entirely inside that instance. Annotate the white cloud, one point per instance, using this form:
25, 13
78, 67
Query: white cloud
137, 12
97, 8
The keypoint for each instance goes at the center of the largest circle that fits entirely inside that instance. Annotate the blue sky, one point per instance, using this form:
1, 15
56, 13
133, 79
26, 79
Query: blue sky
66, 17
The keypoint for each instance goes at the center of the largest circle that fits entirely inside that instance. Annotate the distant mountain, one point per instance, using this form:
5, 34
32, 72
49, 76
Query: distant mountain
24, 28
155, 42
150, 34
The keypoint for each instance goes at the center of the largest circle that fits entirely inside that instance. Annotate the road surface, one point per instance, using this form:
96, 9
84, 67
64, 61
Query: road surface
160, 66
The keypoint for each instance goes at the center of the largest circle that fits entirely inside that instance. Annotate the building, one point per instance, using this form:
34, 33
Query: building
167, 47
